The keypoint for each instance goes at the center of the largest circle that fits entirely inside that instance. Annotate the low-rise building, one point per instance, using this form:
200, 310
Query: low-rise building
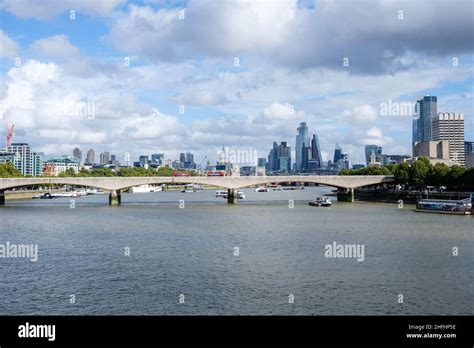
56, 166
435, 151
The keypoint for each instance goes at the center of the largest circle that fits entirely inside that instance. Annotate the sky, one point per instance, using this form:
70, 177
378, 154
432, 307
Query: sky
157, 76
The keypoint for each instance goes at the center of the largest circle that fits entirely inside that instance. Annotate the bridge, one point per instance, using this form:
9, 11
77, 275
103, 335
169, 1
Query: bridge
116, 185
344, 184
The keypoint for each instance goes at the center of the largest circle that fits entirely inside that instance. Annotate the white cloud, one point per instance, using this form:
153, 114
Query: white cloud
278, 111
284, 33
373, 135
57, 46
201, 97
8, 48
237, 27
361, 114
152, 126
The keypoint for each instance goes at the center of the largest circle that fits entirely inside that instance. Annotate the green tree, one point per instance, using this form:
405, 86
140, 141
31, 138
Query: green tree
68, 173
419, 171
348, 172
437, 175
402, 173
84, 172
455, 176
467, 179
8, 170
164, 171
102, 172
375, 170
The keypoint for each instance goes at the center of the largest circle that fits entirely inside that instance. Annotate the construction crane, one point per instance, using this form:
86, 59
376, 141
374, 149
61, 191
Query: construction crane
8, 130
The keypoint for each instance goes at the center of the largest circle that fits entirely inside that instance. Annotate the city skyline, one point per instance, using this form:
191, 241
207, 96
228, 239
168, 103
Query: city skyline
311, 158
111, 91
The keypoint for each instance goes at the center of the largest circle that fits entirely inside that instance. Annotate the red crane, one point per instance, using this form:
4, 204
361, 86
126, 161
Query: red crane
9, 130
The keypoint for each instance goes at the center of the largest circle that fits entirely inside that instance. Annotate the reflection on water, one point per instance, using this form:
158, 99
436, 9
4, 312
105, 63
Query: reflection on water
190, 251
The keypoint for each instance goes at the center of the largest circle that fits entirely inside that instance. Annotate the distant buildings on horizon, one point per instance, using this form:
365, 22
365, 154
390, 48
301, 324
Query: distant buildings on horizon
439, 136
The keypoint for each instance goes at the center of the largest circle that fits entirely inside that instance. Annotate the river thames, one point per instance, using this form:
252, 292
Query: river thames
191, 251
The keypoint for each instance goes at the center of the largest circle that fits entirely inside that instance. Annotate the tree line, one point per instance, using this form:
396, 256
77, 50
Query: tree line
422, 174
8, 170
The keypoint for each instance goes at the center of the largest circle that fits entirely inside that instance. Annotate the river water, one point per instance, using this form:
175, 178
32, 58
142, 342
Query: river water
83, 251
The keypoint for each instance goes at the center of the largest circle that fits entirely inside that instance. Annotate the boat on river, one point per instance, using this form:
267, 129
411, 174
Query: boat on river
321, 202
445, 206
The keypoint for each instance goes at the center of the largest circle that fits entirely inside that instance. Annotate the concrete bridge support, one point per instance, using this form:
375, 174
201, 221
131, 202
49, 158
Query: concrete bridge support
115, 197
231, 196
345, 195
2, 197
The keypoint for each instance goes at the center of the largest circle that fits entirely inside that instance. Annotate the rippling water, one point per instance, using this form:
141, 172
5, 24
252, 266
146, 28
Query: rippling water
190, 251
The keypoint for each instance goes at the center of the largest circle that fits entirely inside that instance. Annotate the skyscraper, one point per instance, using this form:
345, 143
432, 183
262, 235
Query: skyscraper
284, 157
301, 138
104, 158
90, 156
305, 155
373, 148
189, 157
337, 154
77, 154
450, 126
316, 155
189, 161
279, 158
425, 111
157, 158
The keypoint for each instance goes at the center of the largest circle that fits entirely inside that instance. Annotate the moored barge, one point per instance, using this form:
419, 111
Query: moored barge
443, 206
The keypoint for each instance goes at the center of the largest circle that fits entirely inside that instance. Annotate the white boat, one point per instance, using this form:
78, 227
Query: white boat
221, 193
145, 189
94, 192
193, 187
321, 202
62, 195
286, 188
262, 189
77, 193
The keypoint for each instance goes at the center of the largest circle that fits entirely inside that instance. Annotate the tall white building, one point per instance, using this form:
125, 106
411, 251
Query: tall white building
26, 161
450, 126
23, 157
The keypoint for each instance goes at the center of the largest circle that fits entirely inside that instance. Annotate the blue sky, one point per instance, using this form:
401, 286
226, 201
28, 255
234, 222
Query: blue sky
183, 56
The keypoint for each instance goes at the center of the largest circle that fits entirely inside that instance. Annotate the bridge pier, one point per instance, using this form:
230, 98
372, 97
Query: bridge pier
345, 195
2, 197
115, 197
231, 196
